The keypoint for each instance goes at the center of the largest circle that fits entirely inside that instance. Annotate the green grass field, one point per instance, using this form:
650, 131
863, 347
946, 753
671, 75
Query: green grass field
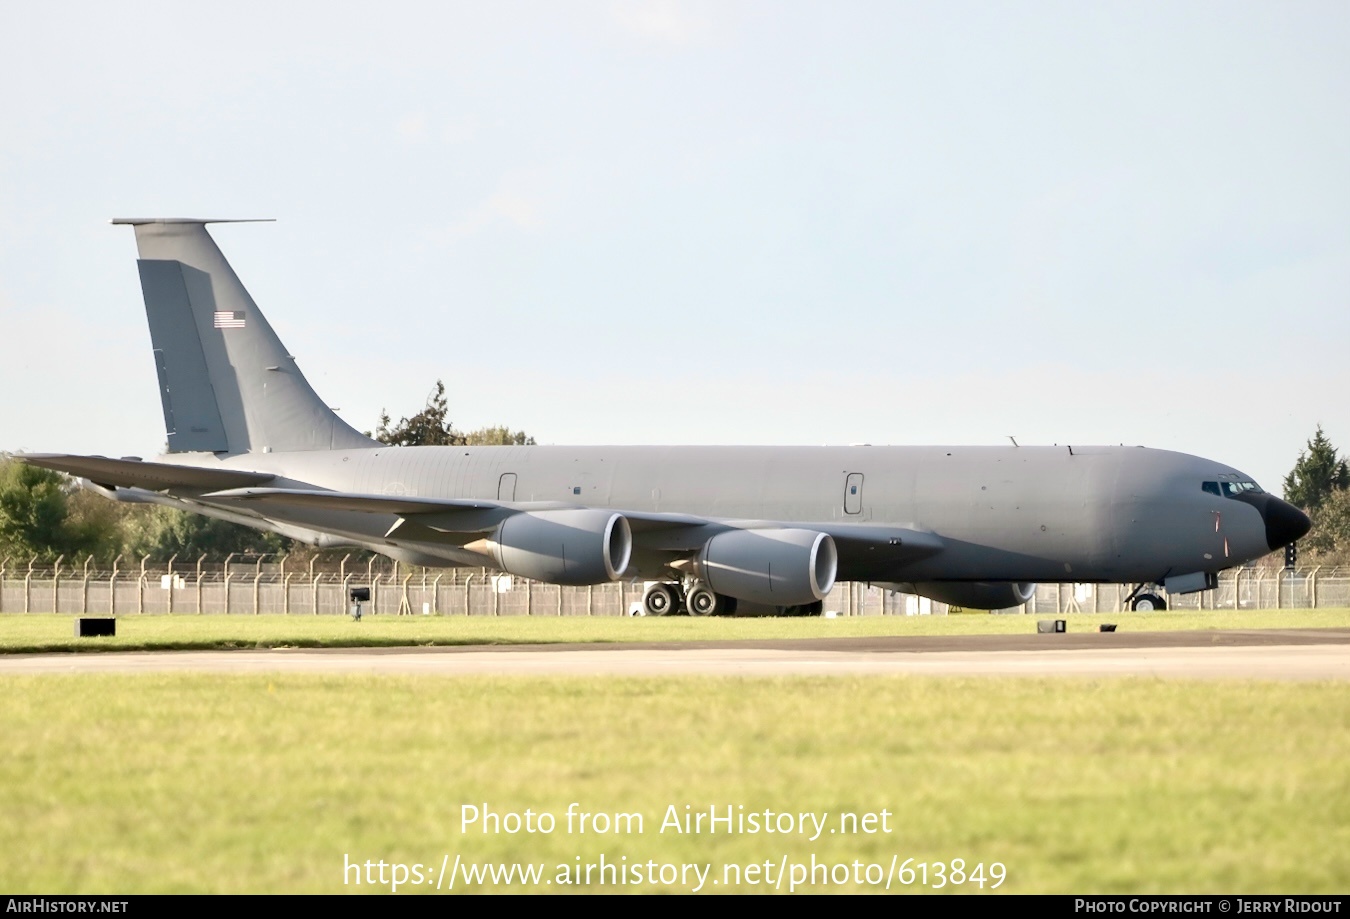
266, 784
45, 632
161, 783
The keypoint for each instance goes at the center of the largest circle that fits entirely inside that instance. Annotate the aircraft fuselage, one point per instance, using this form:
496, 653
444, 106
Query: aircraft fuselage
1111, 514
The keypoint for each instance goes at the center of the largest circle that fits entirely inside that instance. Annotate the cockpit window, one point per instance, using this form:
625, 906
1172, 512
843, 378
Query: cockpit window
1230, 487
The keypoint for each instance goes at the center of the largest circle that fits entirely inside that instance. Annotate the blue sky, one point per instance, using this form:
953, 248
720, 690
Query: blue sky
703, 222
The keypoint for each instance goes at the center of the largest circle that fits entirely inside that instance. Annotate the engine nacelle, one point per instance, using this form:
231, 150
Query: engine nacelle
973, 594
774, 567
569, 546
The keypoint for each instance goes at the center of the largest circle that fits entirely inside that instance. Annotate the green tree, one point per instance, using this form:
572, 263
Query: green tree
1318, 472
46, 514
102, 523
429, 427
32, 509
498, 436
35, 516
1329, 540
432, 427
160, 532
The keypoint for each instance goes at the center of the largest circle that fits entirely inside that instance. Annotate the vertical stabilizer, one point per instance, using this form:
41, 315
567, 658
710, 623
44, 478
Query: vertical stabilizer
227, 383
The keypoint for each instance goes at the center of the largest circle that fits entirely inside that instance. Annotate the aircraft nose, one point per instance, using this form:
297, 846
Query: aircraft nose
1284, 522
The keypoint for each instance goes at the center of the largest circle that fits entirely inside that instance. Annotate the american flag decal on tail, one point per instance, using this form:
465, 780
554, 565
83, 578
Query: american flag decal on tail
227, 320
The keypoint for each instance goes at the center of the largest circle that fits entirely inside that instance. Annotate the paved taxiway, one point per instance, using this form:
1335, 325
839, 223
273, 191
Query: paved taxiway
1310, 654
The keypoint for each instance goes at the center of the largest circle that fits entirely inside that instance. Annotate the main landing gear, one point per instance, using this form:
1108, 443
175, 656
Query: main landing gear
701, 601
661, 600
692, 597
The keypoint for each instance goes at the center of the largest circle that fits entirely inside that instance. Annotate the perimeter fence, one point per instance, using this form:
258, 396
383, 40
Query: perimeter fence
277, 585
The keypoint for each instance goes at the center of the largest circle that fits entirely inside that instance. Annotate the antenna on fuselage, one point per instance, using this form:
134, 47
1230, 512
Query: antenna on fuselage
1014, 440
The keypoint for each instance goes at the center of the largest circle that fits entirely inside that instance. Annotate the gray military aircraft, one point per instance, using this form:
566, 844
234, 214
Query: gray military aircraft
713, 527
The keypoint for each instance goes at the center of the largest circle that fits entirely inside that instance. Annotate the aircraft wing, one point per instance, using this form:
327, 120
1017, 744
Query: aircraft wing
319, 499
660, 531
129, 473
448, 515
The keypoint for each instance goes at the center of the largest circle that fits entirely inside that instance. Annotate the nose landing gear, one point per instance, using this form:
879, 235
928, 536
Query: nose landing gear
1145, 601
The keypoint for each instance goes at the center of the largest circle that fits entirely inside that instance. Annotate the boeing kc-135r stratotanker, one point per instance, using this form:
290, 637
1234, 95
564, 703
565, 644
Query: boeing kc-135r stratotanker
712, 527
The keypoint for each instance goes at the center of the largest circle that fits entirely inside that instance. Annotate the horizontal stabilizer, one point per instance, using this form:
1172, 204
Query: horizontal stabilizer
127, 473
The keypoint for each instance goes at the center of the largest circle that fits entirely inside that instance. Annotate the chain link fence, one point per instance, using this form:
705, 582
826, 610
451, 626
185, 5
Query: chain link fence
267, 585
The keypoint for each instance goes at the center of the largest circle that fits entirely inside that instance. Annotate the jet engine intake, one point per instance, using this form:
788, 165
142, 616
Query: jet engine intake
973, 594
568, 546
776, 567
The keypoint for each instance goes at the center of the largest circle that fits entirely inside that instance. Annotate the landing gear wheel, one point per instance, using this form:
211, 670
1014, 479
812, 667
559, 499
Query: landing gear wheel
703, 602
659, 600
1147, 603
